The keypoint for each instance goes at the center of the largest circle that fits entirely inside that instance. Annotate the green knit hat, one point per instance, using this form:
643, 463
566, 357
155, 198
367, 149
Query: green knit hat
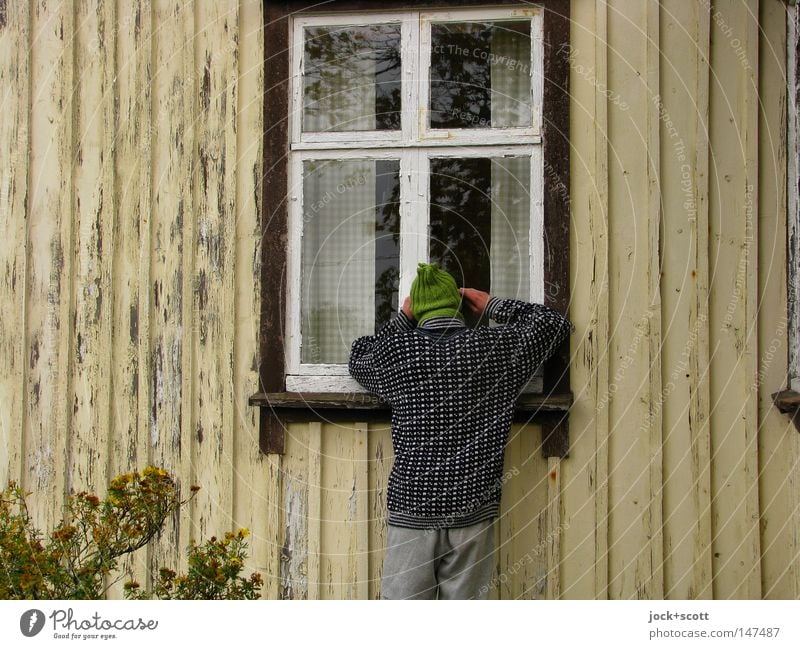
434, 293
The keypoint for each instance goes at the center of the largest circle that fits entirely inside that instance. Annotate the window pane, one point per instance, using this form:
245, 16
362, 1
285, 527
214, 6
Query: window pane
480, 74
350, 253
480, 222
352, 78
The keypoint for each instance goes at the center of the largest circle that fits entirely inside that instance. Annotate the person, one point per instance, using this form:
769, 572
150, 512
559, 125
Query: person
451, 390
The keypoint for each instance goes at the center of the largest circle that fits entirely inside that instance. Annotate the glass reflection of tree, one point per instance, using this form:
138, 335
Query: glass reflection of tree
329, 56
461, 220
461, 78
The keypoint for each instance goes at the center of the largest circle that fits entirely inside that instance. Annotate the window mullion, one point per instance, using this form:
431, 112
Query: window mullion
294, 262
537, 55
409, 56
423, 206
408, 246
537, 227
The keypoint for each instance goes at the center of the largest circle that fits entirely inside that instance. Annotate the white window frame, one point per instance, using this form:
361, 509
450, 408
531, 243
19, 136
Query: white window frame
413, 145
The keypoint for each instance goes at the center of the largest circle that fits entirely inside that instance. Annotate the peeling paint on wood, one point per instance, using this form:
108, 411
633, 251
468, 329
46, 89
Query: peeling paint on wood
15, 65
48, 318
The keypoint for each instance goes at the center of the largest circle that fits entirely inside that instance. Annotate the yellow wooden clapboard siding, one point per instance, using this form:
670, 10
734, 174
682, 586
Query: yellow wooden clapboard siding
732, 259
777, 458
254, 496
682, 107
635, 548
178, 229
130, 366
172, 212
216, 59
94, 212
50, 267
15, 67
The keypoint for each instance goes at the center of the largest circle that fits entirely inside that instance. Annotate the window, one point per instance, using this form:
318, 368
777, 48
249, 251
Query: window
406, 135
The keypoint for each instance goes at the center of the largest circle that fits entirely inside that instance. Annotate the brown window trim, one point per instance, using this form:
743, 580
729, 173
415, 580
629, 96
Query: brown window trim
552, 406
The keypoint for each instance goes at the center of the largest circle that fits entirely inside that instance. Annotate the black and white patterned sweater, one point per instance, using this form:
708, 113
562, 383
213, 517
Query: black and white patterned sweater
452, 391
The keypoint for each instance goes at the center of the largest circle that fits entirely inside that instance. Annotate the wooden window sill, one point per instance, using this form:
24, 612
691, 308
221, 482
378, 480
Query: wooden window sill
280, 408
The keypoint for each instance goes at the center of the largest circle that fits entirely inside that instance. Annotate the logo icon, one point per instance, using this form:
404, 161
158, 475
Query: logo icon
31, 622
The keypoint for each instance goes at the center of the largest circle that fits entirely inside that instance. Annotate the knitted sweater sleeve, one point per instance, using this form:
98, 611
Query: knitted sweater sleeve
536, 331
363, 365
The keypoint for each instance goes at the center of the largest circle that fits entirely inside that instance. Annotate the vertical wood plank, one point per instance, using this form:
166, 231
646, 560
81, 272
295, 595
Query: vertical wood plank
699, 359
172, 227
256, 487
793, 70
521, 528
381, 457
50, 254
294, 538
314, 509
732, 290
654, 509
273, 530
341, 557
599, 340
635, 449
213, 296
584, 571
776, 457
682, 108
793, 289
553, 538
15, 69
360, 522
94, 210
130, 369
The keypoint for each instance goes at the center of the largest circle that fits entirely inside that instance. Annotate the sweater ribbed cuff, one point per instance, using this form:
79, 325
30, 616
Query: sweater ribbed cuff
404, 322
492, 306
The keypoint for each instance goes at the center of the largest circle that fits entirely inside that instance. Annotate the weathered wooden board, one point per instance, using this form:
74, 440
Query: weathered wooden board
216, 61
634, 473
521, 546
94, 215
15, 146
172, 415
130, 368
51, 262
778, 457
381, 457
732, 259
584, 568
256, 481
682, 109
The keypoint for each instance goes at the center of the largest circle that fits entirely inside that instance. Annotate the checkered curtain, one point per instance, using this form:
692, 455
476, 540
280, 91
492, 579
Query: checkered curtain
510, 245
338, 257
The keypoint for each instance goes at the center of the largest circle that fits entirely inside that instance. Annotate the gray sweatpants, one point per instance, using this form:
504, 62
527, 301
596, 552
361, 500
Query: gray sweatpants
453, 563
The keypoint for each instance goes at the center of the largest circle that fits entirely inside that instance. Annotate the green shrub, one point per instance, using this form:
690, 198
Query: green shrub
74, 562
